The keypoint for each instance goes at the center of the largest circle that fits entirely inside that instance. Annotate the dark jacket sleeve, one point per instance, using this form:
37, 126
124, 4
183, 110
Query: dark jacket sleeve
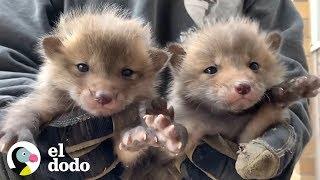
21, 24
282, 16
288, 142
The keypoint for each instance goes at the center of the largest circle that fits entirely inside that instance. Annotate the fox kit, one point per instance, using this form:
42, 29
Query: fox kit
227, 80
99, 60
222, 78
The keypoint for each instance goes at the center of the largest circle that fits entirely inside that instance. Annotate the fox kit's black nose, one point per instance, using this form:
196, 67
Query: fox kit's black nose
243, 88
103, 97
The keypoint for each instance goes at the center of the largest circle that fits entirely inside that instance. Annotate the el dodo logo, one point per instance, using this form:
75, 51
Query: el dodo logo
56, 153
23, 158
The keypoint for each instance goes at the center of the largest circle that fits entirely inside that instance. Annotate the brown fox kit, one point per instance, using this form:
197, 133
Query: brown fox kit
227, 80
99, 60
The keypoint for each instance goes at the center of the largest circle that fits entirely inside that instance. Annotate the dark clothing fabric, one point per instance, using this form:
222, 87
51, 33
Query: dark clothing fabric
22, 22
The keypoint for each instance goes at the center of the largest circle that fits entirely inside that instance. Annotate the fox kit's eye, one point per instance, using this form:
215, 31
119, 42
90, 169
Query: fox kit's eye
127, 72
211, 70
254, 66
82, 67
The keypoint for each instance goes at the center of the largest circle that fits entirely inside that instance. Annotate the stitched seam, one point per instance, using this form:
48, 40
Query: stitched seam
211, 176
86, 144
289, 144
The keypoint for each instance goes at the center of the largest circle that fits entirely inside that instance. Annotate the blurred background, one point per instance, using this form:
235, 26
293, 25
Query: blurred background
308, 167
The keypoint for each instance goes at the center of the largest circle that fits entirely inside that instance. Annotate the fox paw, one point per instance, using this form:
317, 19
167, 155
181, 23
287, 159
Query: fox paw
138, 138
295, 89
305, 86
159, 130
172, 137
8, 137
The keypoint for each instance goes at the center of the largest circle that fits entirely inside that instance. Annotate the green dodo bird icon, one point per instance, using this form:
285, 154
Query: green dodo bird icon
19, 157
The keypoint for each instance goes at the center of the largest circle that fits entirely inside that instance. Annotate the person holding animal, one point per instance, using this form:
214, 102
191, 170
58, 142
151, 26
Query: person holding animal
169, 20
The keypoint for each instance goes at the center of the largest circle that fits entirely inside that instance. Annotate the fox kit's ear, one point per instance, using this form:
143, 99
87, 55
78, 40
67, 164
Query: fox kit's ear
159, 57
52, 46
177, 56
274, 40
